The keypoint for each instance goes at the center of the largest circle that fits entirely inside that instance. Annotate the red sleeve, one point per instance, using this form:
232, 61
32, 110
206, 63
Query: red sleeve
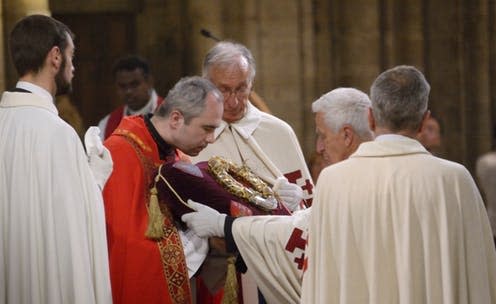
123, 192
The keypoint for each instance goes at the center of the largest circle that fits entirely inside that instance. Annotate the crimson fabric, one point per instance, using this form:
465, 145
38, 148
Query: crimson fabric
114, 119
195, 182
208, 298
136, 269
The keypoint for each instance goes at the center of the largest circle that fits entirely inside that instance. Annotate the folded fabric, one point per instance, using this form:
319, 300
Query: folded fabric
195, 182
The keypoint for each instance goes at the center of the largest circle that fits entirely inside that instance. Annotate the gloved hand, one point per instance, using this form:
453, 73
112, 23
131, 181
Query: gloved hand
291, 194
205, 222
99, 157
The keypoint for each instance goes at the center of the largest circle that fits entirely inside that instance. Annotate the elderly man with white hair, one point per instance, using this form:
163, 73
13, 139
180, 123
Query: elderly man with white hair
273, 247
395, 224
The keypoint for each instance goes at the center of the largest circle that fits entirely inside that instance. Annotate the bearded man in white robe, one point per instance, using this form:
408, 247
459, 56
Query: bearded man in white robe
273, 247
53, 248
395, 224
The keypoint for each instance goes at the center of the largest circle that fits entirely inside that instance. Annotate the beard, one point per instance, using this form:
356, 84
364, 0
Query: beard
64, 86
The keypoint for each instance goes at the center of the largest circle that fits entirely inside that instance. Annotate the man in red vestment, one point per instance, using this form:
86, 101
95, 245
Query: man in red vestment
134, 87
154, 268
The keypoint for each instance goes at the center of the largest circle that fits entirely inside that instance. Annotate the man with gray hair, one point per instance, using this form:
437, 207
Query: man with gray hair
273, 247
264, 143
248, 136
395, 224
141, 239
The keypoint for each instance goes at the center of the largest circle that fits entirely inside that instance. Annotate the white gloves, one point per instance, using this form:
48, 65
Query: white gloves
205, 222
291, 194
99, 157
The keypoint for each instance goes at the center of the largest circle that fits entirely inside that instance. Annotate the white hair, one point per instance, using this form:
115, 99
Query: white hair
227, 54
345, 106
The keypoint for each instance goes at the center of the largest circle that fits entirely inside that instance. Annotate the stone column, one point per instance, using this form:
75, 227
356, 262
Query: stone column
279, 34
402, 33
458, 70
2, 52
475, 69
206, 15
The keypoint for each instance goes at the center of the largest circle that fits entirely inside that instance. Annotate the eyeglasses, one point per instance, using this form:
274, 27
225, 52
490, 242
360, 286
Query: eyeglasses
238, 93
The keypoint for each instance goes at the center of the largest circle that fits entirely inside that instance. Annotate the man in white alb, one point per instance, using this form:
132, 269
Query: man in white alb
393, 223
53, 248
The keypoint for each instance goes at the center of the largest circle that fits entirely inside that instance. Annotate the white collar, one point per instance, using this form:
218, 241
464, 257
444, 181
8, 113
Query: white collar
246, 125
35, 89
19, 99
389, 137
149, 107
389, 145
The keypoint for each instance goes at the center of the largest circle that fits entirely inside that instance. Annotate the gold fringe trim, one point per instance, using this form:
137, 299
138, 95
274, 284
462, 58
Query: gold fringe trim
231, 285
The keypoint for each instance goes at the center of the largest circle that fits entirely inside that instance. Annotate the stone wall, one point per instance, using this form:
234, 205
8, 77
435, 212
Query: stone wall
306, 48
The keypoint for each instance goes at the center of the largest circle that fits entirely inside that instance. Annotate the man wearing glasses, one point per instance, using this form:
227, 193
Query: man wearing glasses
266, 144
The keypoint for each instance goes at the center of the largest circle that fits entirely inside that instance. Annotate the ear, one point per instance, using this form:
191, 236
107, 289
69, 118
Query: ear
54, 58
176, 119
371, 120
426, 117
348, 134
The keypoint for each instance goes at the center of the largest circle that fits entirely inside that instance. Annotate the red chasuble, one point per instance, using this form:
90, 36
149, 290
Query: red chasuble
141, 270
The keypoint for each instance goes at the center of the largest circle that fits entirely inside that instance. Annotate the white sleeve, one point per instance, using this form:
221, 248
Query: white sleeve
195, 250
102, 125
272, 248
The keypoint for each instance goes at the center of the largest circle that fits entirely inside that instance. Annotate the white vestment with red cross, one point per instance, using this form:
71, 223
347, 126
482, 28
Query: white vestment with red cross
270, 148
273, 248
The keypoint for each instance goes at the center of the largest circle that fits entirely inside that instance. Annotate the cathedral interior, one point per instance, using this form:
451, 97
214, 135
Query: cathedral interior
303, 49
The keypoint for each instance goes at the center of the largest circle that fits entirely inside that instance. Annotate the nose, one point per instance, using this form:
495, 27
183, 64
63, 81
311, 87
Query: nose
210, 138
128, 91
231, 100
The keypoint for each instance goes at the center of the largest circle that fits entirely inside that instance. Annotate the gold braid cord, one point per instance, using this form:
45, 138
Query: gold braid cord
227, 174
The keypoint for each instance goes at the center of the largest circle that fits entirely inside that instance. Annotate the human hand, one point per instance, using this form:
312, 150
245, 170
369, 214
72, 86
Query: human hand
99, 158
205, 222
291, 194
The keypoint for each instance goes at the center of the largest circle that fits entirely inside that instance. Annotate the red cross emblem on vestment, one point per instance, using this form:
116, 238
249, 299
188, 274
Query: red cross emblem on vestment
293, 177
297, 241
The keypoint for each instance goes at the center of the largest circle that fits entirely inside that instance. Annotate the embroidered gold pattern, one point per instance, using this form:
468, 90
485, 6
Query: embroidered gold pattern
134, 138
170, 247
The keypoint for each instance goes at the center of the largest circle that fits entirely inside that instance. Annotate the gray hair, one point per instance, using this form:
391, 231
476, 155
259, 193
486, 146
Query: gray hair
227, 54
188, 96
399, 98
345, 106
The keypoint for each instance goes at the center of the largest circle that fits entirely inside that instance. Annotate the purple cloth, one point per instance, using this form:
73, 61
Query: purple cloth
195, 182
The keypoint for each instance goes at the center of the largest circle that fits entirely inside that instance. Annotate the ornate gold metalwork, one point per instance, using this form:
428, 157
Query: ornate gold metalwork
242, 182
